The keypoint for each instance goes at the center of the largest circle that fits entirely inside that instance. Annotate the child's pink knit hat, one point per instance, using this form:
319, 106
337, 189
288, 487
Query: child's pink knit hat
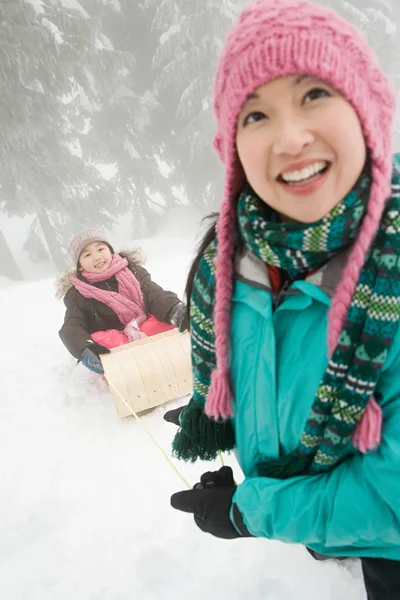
274, 38
83, 238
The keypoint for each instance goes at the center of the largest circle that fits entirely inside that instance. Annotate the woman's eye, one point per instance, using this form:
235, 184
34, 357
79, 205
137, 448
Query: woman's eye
315, 94
253, 118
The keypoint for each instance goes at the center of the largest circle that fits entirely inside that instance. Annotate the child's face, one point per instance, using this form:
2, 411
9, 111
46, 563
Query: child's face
301, 146
96, 257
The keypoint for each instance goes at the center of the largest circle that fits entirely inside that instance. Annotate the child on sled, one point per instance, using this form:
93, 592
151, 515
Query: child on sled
111, 300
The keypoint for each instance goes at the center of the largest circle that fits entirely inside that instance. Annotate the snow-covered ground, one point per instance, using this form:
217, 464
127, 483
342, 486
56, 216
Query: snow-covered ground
84, 496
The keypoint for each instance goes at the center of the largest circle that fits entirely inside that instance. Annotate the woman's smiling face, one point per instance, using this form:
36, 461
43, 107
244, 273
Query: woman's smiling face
301, 146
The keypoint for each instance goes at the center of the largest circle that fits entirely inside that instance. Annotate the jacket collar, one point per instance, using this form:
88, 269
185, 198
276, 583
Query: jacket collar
253, 271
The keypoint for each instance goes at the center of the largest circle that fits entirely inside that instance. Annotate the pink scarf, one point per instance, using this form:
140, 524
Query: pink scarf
127, 303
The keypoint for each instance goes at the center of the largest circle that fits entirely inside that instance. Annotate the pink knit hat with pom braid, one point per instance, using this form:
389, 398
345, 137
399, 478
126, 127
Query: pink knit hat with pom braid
275, 38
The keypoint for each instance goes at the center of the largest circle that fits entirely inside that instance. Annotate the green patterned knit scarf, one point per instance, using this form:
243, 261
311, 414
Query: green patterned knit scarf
353, 370
295, 247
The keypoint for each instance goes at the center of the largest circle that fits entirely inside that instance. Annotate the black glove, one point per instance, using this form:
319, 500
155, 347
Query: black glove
172, 416
179, 317
97, 349
210, 501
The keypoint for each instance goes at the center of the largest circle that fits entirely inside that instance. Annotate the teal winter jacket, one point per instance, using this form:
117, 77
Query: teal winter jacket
279, 354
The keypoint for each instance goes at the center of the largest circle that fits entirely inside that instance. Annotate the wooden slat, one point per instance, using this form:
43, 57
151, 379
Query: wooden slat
151, 371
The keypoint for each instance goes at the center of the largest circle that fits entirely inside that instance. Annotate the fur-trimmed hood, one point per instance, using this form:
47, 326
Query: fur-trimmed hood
135, 257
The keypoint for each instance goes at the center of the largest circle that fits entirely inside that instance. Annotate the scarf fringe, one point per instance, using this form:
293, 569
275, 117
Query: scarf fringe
201, 437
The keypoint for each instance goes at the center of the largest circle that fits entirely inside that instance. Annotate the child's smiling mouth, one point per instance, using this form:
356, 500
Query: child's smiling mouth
100, 265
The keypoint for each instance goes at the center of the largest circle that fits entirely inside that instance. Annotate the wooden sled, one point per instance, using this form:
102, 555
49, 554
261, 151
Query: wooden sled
149, 372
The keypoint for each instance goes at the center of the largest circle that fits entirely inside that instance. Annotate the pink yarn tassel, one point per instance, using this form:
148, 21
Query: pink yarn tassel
218, 403
367, 434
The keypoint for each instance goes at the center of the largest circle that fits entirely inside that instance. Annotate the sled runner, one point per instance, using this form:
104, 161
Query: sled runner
149, 372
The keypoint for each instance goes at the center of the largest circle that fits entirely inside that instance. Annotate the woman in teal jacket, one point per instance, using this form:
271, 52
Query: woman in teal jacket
295, 297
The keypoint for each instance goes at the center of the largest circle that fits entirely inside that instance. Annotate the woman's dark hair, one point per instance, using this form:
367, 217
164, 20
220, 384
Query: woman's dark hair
209, 236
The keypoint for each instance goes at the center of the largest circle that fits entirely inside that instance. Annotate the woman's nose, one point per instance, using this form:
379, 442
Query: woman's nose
291, 137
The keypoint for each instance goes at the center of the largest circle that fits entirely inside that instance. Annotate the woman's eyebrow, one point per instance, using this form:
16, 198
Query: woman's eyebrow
301, 78
253, 96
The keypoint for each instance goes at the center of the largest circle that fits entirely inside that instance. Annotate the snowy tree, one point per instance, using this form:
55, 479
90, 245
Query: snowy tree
379, 20
8, 264
190, 38
53, 66
123, 128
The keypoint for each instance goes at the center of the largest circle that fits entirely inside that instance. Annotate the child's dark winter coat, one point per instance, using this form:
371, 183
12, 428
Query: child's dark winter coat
85, 316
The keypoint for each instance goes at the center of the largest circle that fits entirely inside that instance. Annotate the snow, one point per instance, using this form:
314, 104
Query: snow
15, 231
116, 4
377, 15
163, 166
107, 170
356, 13
52, 27
37, 5
172, 30
103, 42
84, 500
34, 85
121, 92
130, 148
75, 5
387, 5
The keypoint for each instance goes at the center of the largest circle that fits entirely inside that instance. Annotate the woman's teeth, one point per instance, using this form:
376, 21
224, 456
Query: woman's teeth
303, 175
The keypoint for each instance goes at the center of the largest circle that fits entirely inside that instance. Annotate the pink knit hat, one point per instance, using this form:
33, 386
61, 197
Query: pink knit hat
275, 38
82, 239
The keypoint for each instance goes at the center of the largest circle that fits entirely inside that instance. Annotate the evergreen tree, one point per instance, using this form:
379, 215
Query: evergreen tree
53, 66
8, 265
379, 20
190, 38
124, 130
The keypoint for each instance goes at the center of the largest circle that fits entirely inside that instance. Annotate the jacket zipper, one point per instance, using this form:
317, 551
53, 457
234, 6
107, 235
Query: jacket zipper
278, 298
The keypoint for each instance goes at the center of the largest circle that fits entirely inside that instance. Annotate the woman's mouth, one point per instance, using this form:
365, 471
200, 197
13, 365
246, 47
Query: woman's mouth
307, 180
100, 265
306, 175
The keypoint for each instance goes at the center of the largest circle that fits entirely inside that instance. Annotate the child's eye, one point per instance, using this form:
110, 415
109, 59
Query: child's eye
315, 94
253, 117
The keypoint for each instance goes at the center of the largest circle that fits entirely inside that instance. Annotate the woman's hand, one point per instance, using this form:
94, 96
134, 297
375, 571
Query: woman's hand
210, 502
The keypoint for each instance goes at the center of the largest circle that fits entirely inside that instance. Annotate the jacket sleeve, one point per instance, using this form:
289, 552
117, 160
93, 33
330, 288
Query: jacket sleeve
159, 302
74, 333
353, 510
